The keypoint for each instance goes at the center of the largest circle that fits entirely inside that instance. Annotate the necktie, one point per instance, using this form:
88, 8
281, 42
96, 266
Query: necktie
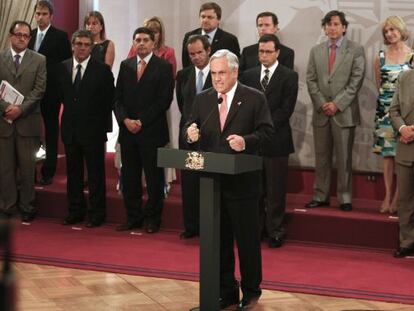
332, 55
39, 41
199, 84
223, 111
141, 69
78, 78
17, 61
265, 80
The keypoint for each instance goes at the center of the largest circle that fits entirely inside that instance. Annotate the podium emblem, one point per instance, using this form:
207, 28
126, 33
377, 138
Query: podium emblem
194, 161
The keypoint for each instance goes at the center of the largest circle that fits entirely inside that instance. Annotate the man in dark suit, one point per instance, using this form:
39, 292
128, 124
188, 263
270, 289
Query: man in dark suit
266, 23
191, 81
54, 44
210, 16
334, 77
87, 89
233, 118
144, 92
402, 118
280, 85
20, 125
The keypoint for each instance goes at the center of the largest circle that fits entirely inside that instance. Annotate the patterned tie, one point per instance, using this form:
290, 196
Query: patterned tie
200, 80
39, 41
332, 55
223, 111
17, 61
265, 80
141, 69
78, 78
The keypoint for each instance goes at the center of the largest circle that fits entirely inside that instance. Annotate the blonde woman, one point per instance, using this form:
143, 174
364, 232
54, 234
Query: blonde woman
390, 62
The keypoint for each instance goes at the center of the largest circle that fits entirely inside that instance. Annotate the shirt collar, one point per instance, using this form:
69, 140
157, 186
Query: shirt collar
146, 59
338, 42
211, 34
271, 69
44, 31
21, 54
84, 64
205, 70
230, 94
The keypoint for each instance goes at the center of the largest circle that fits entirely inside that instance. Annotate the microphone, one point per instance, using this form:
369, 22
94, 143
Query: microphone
219, 101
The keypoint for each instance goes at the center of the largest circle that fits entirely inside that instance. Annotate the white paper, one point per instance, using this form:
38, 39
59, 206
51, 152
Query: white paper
10, 95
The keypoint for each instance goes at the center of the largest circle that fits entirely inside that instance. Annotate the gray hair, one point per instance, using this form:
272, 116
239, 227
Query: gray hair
232, 59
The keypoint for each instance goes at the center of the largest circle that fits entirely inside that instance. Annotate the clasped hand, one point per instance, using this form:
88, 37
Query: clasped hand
329, 109
407, 134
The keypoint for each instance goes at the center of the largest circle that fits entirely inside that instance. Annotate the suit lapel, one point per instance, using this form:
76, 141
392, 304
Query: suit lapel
8, 60
274, 79
324, 57
235, 106
191, 83
207, 83
340, 56
25, 62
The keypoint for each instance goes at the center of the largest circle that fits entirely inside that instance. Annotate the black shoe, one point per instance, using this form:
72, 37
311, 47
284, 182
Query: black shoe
152, 228
275, 242
71, 220
129, 226
346, 207
247, 303
229, 301
187, 235
28, 217
402, 252
45, 181
314, 203
93, 223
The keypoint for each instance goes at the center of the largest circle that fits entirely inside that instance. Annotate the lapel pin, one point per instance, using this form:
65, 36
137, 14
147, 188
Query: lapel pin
239, 103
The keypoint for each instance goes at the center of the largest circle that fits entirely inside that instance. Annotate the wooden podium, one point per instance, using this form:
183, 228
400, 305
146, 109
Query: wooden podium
210, 166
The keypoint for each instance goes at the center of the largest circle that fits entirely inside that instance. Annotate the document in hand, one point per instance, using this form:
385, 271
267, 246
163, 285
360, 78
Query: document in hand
10, 95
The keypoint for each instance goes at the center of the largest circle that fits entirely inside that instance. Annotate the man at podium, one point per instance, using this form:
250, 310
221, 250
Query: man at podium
233, 118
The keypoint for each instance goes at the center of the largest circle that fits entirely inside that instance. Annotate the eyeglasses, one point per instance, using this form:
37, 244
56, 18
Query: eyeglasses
268, 52
20, 35
82, 44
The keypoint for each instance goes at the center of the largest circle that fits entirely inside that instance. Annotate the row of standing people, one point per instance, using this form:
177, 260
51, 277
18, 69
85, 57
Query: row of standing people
143, 128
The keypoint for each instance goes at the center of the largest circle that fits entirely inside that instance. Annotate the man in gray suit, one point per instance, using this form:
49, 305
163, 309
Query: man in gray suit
334, 76
20, 126
402, 118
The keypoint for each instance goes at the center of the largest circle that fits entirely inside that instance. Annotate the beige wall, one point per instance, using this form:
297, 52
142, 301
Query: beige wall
300, 30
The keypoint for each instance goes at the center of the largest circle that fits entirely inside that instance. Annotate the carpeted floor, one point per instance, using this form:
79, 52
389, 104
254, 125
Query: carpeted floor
297, 267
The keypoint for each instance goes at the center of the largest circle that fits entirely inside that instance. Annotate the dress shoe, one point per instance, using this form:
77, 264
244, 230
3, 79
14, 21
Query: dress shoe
129, 226
28, 217
275, 242
45, 181
152, 228
187, 235
402, 252
247, 303
314, 203
94, 223
346, 207
71, 220
229, 301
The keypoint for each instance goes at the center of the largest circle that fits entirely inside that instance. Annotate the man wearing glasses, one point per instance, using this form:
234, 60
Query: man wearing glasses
87, 89
20, 125
280, 86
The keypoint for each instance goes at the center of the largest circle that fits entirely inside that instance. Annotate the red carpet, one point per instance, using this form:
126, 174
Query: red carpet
296, 267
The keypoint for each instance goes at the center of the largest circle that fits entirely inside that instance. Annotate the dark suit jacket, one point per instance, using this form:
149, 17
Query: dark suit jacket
250, 57
56, 47
29, 80
146, 100
85, 116
248, 117
281, 94
186, 91
221, 40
